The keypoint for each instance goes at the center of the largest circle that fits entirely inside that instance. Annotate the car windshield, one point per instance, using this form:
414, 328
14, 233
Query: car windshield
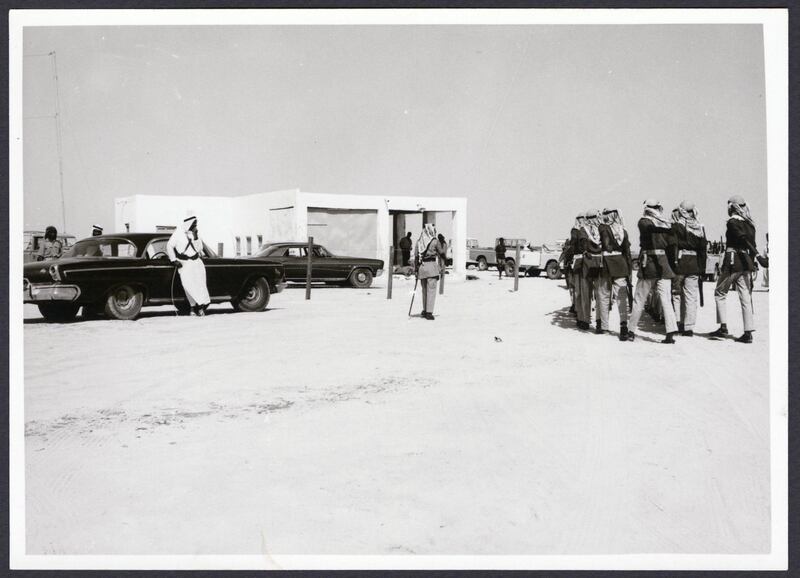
111, 248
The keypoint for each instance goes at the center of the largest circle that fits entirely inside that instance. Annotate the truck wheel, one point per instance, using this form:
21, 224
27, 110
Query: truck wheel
482, 264
510, 267
361, 278
124, 303
59, 312
256, 297
552, 270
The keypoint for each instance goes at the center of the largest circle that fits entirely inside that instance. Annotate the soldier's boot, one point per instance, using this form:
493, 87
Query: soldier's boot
680, 328
747, 337
598, 329
623, 331
670, 338
572, 310
687, 333
722, 331
630, 336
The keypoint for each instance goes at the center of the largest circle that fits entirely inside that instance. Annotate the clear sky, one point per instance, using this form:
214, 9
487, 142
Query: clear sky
532, 124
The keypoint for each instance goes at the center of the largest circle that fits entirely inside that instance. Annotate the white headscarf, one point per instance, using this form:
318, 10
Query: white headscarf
425, 237
738, 208
590, 225
687, 216
656, 215
613, 219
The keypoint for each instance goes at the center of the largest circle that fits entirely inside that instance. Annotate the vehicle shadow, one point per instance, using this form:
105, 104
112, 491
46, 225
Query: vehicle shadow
143, 315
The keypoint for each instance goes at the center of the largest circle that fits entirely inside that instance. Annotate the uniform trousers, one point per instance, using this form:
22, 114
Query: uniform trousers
685, 297
742, 282
664, 289
608, 290
583, 303
428, 293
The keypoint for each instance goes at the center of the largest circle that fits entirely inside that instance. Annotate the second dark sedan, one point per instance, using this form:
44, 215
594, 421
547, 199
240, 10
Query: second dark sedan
325, 266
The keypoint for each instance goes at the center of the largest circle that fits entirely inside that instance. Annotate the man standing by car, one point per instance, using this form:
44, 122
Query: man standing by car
690, 263
737, 268
185, 251
51, 247
429, 251
617, 267
500, 256
405, 248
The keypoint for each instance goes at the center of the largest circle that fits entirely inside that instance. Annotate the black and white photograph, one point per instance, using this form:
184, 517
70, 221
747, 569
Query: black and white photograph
398, 289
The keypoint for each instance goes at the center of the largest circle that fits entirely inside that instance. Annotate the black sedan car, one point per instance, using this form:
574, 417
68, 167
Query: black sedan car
116, 275
324, 265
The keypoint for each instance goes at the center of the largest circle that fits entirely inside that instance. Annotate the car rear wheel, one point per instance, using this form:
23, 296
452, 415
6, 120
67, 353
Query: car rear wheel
256, 297
510, 267
59, 312
124, 303
552, 270
482, 264
361, 278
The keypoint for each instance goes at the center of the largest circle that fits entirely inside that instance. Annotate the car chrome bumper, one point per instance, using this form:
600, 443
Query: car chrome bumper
37, 293
379, 272
280, 286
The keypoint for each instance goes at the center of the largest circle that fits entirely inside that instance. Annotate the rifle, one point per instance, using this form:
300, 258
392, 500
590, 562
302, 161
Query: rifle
630, 293
414, 294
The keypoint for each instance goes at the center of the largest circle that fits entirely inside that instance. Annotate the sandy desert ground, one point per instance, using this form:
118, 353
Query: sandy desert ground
341, 426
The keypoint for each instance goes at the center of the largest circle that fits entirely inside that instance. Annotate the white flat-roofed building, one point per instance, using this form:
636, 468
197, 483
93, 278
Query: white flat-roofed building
352, 225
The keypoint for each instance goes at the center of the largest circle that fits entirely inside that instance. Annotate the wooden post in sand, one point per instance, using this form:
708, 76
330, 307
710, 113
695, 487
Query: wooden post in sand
516, 271
308, 267
390, 270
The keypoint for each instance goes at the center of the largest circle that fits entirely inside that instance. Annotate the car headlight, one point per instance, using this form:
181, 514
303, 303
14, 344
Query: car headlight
54, 273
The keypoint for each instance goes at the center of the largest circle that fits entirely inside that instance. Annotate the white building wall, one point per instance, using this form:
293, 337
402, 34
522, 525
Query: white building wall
222, 219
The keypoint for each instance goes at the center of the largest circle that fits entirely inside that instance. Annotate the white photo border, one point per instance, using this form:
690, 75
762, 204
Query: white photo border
775, 34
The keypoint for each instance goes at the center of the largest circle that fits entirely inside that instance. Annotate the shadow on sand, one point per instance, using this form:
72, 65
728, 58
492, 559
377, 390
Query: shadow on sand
143, 315
566, 320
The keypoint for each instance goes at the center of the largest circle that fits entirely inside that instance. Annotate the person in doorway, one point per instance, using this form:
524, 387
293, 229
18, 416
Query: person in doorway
405, 248
617, 268
737, 268
428, 252
690, 264
500, 256
185, 251
51, 246
97, 230
655, 233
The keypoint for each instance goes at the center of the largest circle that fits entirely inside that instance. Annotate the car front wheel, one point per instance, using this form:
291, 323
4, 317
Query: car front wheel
552, 270
124, 303
58, 311
361, 278
482, 264
256, 297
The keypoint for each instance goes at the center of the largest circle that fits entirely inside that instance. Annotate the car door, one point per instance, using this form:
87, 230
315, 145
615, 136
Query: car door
295, 262
159, 274
334, 267
323, 265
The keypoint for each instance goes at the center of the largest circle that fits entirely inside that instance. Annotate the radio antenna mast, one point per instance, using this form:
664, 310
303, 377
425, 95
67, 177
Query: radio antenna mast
58, 145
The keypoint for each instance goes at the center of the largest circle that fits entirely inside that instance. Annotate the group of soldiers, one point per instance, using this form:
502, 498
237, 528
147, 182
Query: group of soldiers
672, 261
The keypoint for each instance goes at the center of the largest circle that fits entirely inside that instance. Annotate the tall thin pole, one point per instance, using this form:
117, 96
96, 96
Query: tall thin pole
390, 269
308, 268
58, 146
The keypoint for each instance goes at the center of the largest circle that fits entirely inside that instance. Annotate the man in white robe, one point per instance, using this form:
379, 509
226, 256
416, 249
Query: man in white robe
185, 251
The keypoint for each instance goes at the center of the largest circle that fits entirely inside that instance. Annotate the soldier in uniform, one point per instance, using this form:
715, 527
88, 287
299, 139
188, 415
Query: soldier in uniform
428, 254
500, 256
574, 262
51, 247
737, 268
655, 234
617, 267
589, 242
690, 264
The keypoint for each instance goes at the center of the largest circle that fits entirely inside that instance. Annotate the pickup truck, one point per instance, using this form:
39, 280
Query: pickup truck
533, 259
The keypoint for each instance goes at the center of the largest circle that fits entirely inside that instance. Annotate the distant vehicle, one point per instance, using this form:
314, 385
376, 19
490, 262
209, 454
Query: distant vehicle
116, 275
32, 242
532, 259
325, 266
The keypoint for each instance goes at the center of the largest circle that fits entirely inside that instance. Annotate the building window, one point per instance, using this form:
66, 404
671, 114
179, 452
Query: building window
260, 241
220, 247
249, 245
238, 246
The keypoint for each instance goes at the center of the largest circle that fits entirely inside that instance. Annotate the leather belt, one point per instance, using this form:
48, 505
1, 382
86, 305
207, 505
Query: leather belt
655, 252
682, 252
612, 253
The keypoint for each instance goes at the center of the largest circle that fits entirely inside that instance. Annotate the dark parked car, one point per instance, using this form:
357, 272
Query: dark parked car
324, 265
116, 275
